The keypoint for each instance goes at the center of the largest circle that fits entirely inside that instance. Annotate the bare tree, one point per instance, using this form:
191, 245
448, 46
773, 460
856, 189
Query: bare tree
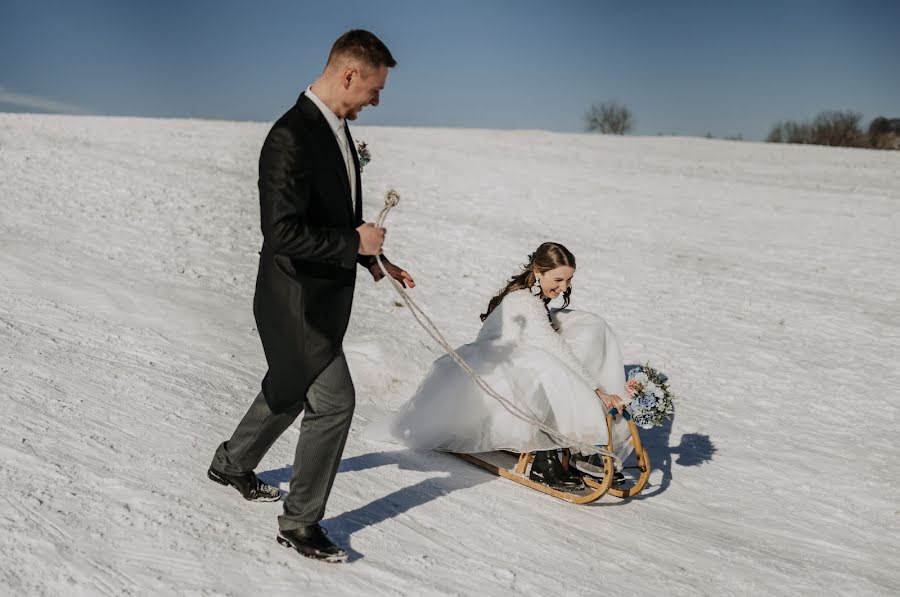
777, 134
797, 132
884, 133
838, 129
828, 128
610, 118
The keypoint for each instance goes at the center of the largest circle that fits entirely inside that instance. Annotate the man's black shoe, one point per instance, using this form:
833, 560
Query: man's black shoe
548, 470
312, 542
248, 484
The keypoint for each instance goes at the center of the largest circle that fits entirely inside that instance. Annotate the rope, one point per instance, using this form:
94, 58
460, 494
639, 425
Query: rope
392, 198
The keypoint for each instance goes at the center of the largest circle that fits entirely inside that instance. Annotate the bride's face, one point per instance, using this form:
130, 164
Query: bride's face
555, 281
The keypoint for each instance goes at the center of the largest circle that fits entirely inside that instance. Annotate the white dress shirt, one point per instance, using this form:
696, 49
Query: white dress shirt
340, 134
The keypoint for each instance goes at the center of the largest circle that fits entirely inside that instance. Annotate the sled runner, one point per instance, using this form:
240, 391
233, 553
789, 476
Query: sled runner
499, 463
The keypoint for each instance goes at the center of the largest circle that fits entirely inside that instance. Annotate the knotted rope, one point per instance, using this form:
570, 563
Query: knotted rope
392, 198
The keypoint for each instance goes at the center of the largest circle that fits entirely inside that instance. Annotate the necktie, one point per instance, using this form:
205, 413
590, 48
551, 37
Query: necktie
348, 159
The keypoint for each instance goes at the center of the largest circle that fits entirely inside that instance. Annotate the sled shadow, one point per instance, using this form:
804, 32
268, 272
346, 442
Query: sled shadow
454, 475
693, 450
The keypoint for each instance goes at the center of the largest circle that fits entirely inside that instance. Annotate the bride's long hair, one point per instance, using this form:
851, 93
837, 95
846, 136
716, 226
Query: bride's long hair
547, 257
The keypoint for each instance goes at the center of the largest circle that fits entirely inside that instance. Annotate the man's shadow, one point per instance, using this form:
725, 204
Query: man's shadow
693, 450
454, 475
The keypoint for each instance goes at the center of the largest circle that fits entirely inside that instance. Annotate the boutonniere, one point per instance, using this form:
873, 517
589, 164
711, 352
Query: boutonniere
362, 150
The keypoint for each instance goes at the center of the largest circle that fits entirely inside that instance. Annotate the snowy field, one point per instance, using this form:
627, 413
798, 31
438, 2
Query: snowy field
761, 278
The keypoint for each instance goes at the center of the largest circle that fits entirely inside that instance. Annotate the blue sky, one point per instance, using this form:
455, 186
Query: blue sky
683, 67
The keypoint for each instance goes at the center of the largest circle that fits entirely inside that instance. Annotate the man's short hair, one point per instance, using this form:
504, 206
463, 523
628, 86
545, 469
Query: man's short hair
362, 45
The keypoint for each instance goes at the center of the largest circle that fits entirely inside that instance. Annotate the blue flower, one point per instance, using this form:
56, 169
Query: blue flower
645, 402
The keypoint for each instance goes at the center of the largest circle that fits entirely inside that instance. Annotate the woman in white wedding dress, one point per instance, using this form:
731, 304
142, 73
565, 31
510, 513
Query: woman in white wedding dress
563, 367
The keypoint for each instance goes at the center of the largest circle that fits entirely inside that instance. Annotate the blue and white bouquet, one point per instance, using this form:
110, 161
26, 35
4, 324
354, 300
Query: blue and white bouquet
651, 403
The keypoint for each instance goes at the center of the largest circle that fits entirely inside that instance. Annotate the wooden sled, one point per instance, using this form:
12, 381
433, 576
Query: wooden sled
498, 463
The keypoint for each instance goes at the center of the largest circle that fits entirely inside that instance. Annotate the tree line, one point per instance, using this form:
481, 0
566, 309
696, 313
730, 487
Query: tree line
832, 127
839, 129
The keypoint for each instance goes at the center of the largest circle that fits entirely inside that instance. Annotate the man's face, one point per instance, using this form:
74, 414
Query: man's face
364, 88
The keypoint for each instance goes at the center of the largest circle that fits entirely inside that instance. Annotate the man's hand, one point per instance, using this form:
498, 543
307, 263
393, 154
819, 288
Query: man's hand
371, 238
395, 272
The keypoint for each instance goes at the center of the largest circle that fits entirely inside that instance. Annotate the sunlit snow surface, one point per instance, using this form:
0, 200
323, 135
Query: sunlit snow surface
761, 278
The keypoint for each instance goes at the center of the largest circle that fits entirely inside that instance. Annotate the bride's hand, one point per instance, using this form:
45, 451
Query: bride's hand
611, 401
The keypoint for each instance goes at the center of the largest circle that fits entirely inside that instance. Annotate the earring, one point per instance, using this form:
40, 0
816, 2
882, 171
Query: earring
536, 287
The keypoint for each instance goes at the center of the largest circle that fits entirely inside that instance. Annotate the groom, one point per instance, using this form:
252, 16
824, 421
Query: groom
313, 237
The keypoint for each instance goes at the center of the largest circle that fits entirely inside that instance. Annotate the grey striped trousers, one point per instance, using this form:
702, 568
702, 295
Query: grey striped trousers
327, 414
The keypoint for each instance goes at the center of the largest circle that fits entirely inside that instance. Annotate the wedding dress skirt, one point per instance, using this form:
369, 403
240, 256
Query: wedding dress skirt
450, 412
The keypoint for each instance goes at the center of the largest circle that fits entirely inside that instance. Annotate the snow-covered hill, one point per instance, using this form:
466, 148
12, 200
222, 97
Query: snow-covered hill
761, 278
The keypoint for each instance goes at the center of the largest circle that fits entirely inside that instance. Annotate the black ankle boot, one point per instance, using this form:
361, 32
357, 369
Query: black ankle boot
548, 470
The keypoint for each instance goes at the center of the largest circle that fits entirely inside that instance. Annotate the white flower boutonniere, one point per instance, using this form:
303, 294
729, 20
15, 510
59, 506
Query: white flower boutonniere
362, 150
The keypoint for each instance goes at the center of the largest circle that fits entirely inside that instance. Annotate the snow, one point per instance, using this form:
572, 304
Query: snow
760, 278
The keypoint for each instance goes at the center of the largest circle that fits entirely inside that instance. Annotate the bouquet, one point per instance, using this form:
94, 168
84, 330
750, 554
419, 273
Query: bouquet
651, 402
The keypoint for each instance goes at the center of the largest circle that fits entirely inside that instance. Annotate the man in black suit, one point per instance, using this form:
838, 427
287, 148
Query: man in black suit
313, 238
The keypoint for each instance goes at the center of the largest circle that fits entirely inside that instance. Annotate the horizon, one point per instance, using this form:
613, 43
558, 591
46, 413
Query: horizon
687, 70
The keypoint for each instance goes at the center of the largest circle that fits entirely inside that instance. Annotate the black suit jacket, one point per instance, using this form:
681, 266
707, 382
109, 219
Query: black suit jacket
307, 265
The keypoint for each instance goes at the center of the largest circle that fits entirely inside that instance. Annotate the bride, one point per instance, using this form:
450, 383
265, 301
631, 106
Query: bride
563, 367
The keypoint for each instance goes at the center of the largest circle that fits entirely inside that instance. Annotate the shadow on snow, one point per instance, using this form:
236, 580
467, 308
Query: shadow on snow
693, 450
342, 526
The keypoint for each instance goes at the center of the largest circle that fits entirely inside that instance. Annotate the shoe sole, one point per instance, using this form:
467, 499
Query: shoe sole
222, 481
331, 559
599, 477
566, 488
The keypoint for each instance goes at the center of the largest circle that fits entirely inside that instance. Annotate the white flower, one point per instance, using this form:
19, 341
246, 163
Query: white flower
643, 419
641, 378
